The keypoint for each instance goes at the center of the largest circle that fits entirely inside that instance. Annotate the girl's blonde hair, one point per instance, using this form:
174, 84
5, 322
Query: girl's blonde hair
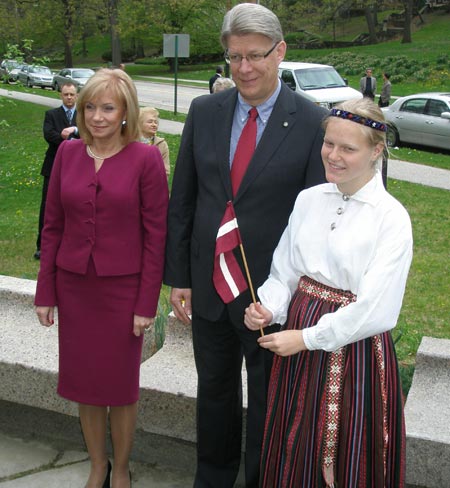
364, 107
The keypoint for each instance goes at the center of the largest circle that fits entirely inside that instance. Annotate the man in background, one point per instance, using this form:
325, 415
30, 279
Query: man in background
287, 138
218, 74
368, 85
59, 125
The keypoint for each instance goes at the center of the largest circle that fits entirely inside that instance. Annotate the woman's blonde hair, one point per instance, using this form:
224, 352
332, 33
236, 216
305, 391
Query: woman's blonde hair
121, 87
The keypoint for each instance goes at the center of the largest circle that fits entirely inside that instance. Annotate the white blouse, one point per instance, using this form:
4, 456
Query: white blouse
361, 243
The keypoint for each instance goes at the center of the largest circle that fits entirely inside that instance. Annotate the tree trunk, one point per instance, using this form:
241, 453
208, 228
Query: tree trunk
140, 49
69, 11
68, 59
115, 38
368, 12
408, 20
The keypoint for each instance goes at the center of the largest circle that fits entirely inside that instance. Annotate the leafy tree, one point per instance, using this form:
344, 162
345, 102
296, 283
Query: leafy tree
148, 20
323, 13
24, 53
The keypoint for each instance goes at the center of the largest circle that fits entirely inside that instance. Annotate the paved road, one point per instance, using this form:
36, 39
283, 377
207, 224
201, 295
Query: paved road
400, 170
162, 95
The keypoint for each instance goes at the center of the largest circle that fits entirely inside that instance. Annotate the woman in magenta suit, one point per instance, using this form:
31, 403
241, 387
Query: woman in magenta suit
101, 265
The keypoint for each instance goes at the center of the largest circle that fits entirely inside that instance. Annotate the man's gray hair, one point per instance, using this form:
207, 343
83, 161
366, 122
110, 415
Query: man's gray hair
250, 18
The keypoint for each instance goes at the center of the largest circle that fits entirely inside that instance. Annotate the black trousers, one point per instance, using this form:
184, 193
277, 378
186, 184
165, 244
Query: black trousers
219, 348
42, 210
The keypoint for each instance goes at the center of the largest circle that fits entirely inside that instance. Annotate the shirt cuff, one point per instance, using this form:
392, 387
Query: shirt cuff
309, 339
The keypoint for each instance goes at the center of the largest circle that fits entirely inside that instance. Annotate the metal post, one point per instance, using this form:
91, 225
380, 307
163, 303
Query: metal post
176, 73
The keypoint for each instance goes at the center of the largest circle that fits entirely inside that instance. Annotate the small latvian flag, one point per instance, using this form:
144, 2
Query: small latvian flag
228, 278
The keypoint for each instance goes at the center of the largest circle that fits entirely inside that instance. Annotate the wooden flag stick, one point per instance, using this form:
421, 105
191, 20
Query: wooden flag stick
249, 279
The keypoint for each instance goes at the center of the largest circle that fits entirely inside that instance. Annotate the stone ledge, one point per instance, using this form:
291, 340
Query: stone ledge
427, 413
29, 366
166, 431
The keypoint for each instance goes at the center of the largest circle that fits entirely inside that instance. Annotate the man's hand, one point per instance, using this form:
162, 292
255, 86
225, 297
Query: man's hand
67, 132
181, 300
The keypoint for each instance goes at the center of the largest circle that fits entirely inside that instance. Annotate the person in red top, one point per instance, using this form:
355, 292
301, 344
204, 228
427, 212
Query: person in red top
102, 262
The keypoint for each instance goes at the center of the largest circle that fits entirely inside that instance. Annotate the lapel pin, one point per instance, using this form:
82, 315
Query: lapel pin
285, 124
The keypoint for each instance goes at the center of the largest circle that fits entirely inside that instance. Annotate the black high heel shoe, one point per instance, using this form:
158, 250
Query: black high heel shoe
107, 482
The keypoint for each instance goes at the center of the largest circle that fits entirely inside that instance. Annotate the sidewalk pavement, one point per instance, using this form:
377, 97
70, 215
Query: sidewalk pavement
400, 170
37, 464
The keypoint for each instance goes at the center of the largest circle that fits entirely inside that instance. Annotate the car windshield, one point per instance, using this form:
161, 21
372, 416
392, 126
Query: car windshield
11, 64
316, 78
42, 70
82, 73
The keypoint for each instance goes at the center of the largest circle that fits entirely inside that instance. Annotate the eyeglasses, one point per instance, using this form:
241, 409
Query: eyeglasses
251, 58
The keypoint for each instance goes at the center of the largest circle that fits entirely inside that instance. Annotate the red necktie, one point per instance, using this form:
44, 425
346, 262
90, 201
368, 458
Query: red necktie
244, 150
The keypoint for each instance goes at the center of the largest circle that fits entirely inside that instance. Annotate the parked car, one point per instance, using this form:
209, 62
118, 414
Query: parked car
422, 119
31, 75
14, 73
78, 76
320, 83
9, 69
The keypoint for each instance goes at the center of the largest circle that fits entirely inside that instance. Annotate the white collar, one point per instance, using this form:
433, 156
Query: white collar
370, 193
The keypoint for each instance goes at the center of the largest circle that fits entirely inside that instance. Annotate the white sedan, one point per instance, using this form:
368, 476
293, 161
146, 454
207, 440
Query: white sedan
420, 119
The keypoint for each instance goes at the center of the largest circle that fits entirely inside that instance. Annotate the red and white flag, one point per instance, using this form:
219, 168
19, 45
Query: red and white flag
228, 278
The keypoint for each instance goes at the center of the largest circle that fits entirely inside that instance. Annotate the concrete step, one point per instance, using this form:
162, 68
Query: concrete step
427, 414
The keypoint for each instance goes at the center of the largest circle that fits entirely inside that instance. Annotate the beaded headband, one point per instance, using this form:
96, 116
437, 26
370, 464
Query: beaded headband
373, 124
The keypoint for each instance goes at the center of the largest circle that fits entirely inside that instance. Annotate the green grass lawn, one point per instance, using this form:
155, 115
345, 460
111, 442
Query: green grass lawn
427, 301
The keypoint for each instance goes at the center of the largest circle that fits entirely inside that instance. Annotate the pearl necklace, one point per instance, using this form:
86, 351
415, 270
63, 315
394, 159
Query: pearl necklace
93, 155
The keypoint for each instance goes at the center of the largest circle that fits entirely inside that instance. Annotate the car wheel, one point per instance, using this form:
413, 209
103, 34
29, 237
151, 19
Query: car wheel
29, 83
392, 138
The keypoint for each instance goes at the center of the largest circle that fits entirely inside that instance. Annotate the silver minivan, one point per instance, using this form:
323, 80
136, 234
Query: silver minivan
319, 83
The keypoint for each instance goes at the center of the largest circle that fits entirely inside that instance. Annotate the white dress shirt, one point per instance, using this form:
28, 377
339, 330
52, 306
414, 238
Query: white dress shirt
362, 244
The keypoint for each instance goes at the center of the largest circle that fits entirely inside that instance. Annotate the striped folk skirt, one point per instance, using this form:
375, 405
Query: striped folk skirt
333, 419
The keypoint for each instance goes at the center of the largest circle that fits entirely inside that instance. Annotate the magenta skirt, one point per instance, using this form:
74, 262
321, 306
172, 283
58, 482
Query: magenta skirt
99, 356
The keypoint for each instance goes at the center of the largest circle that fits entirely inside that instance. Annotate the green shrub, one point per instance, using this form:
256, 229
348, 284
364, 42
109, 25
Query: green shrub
401, 68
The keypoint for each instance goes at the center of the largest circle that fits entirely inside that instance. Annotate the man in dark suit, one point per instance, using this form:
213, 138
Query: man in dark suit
57, 128
218, 74
286, 160
368, 85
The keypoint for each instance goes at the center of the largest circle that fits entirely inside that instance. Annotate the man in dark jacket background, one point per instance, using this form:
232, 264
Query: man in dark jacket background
218, 74
59, 125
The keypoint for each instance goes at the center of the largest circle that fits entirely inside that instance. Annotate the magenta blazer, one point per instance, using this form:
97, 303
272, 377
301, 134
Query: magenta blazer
117, 216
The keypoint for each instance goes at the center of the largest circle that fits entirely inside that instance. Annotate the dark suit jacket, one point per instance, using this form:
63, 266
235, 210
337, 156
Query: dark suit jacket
117, 215
54, 122
212, 81
286, 160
